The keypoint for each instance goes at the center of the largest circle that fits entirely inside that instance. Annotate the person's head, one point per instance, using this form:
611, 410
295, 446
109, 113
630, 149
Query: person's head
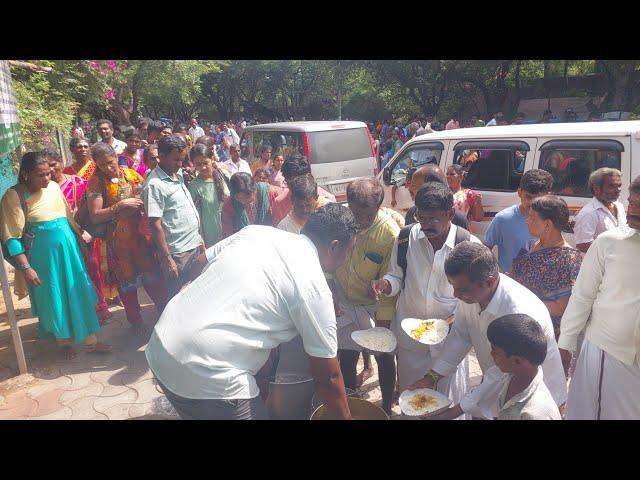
54, 159
332, 229
150, 157
455, 175
502, 122
209, 142
365, 196
166, 132
570, 115
424, 174
304, 196
134, 142
533, 184
172, 150
278, 160
261, 175
434, 209
242, 188
181, 128
143, 124
265, 154
606, 184
194, 122
35, 171
548, 214
498, 115
633, 212
80, 149
200, 156
105, 129
153, 131
473, 272
106, 159
234, 151
413, 128
293, 167
518, 344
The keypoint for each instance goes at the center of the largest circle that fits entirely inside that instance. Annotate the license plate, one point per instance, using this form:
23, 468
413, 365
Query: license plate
338, 189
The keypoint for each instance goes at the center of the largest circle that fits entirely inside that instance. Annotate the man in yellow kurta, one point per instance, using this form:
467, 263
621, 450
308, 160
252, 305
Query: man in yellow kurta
367, 261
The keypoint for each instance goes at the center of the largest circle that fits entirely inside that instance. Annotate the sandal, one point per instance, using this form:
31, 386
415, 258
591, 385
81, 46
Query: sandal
99, 348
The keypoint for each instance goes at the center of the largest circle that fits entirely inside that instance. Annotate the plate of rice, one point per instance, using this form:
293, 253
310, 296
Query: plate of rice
423, 401
429, 332
377, 339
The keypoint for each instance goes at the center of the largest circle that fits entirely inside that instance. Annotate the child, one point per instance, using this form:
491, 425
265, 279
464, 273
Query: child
518, 347
208, 190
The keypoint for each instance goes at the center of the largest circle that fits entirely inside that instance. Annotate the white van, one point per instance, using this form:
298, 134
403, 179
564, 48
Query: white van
338, 152
569, 151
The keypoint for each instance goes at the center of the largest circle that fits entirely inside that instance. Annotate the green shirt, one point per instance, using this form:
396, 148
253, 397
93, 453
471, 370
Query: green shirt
209, 206
168, 198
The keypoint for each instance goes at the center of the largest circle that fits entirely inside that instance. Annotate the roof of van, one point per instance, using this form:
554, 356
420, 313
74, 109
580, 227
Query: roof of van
577, 129
307, 126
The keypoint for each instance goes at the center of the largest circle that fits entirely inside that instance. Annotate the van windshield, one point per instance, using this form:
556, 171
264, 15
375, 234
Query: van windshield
339, 145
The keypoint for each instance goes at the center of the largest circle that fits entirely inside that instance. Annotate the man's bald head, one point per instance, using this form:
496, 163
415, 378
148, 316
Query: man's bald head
426, 173
365, 192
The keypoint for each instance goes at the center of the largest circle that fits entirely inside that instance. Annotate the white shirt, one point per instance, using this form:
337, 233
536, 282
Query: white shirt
235, 139
243, 166
606, 297
289, 224
470, 330
118, 145
594, 218
427, 293
196, 132
488, 399
215, 335
492, 123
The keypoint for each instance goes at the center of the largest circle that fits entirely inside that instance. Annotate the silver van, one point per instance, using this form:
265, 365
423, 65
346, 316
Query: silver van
338, 152
569, 151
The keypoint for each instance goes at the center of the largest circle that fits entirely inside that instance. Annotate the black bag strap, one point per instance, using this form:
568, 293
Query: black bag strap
403, 248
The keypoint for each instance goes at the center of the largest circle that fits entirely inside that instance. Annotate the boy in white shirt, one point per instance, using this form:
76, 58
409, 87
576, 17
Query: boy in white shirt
518, 348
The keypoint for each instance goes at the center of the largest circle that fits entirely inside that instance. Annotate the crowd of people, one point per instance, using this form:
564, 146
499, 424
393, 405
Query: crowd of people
255, 269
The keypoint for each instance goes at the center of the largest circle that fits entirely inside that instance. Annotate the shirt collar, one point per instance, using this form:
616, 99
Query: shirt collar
162, 175
524, 395
598, 205
496, 300
451, 237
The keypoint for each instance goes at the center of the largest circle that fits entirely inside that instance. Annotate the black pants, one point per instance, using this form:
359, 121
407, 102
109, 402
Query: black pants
386, 373
237, 409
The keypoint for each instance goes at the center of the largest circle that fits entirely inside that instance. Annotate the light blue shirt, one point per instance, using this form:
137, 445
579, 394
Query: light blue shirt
509, 232
168, 198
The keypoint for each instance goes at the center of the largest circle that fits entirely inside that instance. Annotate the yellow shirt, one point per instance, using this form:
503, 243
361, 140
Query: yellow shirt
355, 275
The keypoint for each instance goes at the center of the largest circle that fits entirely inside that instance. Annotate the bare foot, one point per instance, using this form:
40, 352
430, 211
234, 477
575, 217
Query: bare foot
363, 376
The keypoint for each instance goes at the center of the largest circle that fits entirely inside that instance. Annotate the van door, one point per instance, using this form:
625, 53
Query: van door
571, 162
494, 169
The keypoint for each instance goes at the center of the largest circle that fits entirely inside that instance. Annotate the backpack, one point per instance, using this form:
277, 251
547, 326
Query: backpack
462, 235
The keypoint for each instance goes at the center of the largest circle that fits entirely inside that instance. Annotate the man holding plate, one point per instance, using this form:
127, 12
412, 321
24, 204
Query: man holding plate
424, 290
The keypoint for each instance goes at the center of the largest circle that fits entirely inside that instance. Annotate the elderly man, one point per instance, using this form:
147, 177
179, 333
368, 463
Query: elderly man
209, 352
486, 294
196, 130
604, 211
416, 272
368, 261
105, 130
606, 300
174, 220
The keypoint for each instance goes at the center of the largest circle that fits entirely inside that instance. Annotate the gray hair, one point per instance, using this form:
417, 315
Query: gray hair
597, 177
365, 192
101, 149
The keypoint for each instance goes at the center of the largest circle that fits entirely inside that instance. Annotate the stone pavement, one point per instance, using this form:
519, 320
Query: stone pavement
93, 386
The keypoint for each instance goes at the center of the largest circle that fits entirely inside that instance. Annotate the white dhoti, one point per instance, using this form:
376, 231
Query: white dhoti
603, 388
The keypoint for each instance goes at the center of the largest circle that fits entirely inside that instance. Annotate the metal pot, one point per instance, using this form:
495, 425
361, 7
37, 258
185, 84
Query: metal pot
316, 402
290, 396
360, 410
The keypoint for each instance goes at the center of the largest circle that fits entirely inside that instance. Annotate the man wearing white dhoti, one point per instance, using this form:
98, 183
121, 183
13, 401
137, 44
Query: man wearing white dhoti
606, 299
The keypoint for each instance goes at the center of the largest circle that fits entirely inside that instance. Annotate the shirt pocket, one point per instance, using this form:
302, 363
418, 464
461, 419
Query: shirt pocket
367, 270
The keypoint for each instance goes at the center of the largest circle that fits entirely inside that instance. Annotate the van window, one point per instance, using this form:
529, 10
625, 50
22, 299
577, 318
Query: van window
281, 143
415, 157
339, 145
571, 167
498, 169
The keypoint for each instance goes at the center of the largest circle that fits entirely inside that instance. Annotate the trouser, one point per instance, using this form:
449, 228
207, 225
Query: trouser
157, 293
184, 261
386, 373
209, 409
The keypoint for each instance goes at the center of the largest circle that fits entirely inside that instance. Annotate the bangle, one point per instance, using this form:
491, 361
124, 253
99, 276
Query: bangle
433, 376
23, 267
